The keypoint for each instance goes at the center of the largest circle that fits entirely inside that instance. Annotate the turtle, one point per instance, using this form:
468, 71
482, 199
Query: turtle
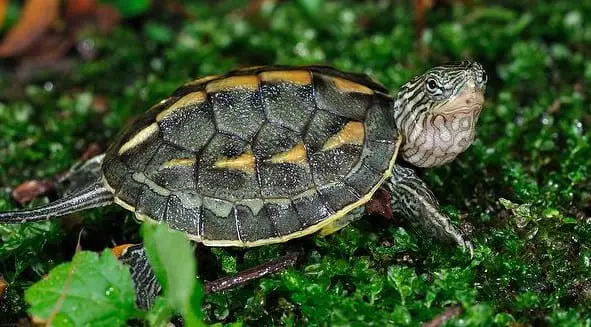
266, 154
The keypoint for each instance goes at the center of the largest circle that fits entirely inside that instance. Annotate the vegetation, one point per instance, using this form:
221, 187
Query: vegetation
523, 189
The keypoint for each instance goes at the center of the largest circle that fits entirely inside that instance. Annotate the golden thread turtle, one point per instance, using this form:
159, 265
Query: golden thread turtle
265, 154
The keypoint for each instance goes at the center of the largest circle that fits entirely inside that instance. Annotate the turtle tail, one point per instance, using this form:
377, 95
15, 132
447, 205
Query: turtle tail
95, 195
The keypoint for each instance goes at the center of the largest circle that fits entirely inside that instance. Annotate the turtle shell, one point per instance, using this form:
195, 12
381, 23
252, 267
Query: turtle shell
257, 156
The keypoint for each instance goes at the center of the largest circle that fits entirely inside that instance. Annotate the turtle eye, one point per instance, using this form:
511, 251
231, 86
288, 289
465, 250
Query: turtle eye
433, 87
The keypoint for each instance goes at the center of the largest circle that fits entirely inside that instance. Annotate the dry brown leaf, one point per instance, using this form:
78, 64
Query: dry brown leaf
3, 285
442, 318
380, 204
3, 8
78, 8
29, 190
421, 7
36, 17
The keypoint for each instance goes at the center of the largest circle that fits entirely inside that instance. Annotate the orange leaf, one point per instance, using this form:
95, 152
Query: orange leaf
3, 286
77, 8
35, 19
3, 7
29, 190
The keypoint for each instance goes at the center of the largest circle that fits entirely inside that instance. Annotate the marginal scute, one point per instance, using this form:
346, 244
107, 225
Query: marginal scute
253, 227
219, 207
338, 195
311, 208
152, 204
349, 86
190, 100
283, 179
362, 178
333, 165
202, 80
246, 82
173, 168
301, 77
190, 128
140, 137
218, 228
129, 191
379, 125
341, 99
283, 216
183, 218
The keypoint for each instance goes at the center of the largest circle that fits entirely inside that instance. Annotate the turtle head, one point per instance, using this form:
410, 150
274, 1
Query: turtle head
437, 112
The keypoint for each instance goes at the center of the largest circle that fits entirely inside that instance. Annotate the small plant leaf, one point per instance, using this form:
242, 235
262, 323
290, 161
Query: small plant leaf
91, 290
171, 257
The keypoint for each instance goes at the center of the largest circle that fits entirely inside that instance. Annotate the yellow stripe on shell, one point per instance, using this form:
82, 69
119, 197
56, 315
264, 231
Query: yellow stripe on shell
295, 155
348, 86
139, 138
301, 77
202, 80
352, 133
193, 98
244, 162
179, 162
247, 82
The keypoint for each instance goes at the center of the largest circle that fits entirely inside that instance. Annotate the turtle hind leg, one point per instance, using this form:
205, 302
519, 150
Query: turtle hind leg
343, 221
412, 199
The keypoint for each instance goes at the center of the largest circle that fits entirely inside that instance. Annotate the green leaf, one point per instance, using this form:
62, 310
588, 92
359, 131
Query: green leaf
129, 8
89, 291
171, 257
402, 279
160, 314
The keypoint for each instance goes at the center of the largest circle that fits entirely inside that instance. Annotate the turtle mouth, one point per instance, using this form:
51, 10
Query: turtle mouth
467, 101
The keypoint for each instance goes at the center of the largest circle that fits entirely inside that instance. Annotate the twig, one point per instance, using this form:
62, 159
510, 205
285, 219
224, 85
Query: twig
443, 317
250, 274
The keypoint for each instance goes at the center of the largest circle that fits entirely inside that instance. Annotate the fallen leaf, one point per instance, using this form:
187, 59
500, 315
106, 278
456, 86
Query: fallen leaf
380, 204
107, 18
29, 190
100, 104
3, 286
78, 8
3, 9
91, 151
443, 317
36, 17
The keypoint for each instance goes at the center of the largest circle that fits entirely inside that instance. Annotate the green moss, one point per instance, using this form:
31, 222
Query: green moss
523, 186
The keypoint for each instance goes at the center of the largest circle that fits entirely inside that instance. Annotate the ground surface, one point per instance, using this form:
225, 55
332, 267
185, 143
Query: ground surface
523, 188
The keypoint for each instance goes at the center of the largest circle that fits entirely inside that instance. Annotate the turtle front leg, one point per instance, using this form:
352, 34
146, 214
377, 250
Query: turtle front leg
412, 199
